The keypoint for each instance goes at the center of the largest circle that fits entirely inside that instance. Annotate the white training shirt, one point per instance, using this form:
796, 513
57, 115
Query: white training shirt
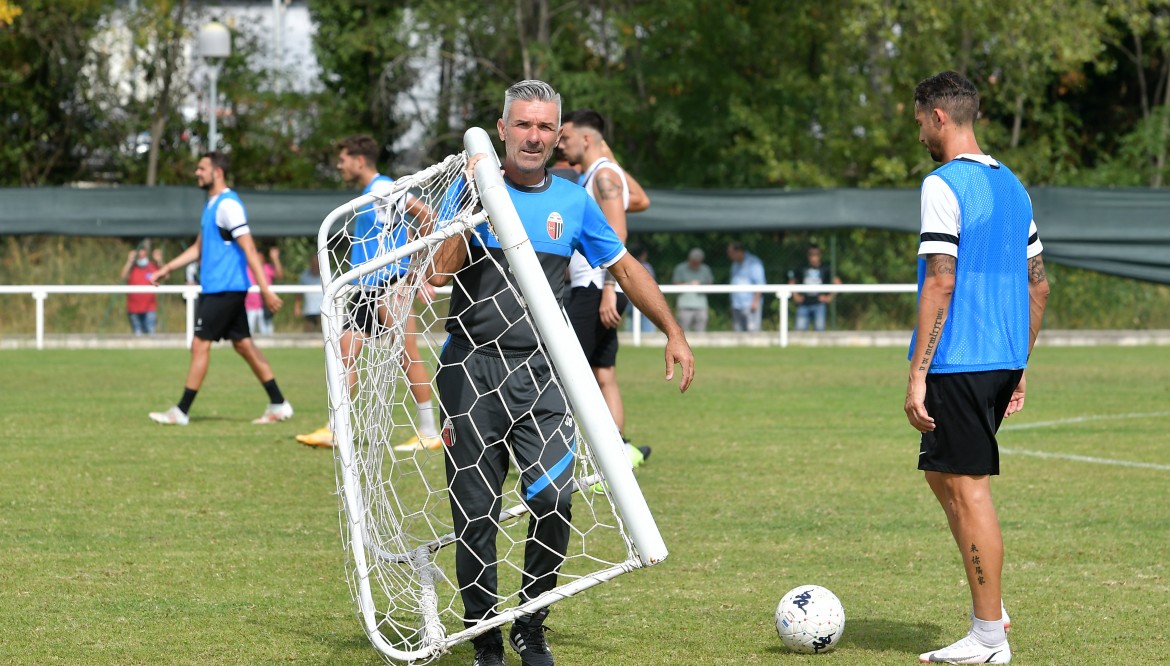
581, 274
230, 216
941, 215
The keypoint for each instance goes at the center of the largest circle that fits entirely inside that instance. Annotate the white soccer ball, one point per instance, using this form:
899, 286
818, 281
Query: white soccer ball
810, 619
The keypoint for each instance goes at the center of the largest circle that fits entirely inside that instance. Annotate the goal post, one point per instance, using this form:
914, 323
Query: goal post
396, 511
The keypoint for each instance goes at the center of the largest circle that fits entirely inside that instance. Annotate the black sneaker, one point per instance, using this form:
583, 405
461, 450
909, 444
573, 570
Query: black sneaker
527, 639
645, 452
489, 649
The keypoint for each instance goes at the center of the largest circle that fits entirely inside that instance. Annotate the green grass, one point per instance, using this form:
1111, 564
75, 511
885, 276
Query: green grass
128, 543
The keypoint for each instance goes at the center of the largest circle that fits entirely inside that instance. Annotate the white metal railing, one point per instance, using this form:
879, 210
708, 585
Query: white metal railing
783, 292
40, 292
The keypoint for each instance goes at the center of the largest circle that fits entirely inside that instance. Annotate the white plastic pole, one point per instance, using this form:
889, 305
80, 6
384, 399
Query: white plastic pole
593, 415
39, 297
212, 136
784, 296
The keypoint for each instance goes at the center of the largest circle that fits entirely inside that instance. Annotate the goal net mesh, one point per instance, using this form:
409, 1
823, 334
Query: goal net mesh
396, 510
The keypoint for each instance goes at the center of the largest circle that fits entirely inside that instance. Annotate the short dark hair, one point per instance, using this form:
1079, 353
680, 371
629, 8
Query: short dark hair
586, 118
951, 92
735, 245
218, 161
361, 145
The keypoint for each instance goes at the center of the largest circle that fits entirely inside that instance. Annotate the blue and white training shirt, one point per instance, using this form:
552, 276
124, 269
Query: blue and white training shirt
560, 218
378, 229
976, 210
222, 263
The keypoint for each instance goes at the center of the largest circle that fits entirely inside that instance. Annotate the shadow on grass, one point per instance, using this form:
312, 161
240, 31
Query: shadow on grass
885, 636
881, 635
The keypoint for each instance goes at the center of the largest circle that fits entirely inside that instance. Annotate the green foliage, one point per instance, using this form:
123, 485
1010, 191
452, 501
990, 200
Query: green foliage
47, 122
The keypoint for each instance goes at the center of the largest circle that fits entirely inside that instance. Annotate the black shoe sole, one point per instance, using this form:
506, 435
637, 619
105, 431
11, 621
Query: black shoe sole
645, 452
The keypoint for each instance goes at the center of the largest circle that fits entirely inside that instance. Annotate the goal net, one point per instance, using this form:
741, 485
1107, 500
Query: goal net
397, 511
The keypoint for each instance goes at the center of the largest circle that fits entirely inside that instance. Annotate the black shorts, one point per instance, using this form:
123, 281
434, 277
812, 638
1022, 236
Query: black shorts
221, 316
967, 408
364, 305
599, 343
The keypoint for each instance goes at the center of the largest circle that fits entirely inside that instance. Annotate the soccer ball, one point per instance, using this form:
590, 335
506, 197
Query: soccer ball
810, 619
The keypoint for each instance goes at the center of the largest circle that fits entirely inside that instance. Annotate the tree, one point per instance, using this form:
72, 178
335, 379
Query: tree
46, 118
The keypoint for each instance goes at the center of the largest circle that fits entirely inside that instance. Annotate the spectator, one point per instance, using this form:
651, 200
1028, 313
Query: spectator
142, 309
692, 306
812, 305
259, 316
308, 306
747, 309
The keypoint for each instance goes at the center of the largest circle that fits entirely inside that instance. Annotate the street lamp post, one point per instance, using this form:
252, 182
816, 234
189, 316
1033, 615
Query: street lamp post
215, 44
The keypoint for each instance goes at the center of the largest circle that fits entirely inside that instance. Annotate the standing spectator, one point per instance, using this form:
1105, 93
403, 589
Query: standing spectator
142, 309
259, 316
307, 307
812, 306
981, 297
692, 306
225, 250
747, 309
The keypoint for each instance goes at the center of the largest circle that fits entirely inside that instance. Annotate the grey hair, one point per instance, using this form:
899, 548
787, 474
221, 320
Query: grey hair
531, 90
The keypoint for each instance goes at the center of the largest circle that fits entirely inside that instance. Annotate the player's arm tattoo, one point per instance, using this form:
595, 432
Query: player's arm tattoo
940, 264
1036, 272
608, 187
932, 340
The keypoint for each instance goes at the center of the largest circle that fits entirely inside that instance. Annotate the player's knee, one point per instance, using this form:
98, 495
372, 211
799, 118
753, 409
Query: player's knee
551, 500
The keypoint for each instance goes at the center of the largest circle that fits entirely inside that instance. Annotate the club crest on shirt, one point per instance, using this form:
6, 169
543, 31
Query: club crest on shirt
555, 225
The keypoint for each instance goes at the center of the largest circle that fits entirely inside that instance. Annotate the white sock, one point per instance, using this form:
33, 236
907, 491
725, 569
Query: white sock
425, 412
988, 632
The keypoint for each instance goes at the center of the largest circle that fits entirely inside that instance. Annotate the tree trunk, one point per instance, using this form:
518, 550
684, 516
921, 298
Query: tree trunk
1017, 120
1164, 134
162, 109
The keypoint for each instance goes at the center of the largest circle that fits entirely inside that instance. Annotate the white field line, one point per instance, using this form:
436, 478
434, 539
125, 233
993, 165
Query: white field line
1078, 458
1081, 419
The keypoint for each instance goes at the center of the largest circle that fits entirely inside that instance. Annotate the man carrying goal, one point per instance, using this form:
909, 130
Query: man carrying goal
492, 372
376, 232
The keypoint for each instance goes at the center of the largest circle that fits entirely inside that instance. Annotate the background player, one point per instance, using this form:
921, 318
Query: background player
377, 231
596, 303
225, 250
981, 296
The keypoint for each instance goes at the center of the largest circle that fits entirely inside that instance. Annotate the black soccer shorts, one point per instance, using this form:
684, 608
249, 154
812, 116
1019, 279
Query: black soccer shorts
967, 408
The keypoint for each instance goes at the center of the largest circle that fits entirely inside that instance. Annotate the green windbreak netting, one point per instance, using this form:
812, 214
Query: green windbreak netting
1119, 231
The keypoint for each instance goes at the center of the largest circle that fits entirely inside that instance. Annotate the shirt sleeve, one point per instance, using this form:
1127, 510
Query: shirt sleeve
940, 219
599, 243
758, 273
1035, 247
230, 217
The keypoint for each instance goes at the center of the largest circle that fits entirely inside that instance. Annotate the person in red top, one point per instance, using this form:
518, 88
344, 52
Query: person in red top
141, 308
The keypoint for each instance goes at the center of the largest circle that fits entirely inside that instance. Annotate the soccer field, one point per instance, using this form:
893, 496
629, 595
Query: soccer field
125, 542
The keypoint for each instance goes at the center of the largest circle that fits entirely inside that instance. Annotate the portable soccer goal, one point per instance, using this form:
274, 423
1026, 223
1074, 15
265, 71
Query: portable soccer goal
396, 515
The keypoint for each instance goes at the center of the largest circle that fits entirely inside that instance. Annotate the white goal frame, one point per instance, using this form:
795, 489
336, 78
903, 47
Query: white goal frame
577, 381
